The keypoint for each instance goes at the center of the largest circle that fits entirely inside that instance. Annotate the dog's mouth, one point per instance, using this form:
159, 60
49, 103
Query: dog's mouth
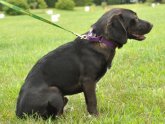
136, 36
139, 37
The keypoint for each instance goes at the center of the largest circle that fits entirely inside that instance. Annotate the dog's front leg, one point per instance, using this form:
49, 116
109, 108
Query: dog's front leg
90, 97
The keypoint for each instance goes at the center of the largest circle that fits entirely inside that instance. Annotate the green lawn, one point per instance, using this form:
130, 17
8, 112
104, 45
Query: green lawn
131, 92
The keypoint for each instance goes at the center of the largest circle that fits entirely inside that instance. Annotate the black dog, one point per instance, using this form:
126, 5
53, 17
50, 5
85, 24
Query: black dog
78, 65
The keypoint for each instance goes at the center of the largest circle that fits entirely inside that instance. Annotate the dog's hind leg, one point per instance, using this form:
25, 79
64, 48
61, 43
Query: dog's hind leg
45, 103
56, 102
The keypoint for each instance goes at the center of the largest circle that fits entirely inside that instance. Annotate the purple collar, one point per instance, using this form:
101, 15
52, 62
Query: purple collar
100, 39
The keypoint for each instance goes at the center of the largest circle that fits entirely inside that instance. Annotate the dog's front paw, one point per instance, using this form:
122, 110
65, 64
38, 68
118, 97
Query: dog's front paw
93, 113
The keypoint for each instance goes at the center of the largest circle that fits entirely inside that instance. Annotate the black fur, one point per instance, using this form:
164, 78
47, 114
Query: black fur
77, 66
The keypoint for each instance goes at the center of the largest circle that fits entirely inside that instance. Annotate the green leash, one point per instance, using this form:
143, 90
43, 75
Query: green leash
35, 16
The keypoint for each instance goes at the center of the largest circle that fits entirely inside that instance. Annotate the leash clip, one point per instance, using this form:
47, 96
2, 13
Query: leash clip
83, 37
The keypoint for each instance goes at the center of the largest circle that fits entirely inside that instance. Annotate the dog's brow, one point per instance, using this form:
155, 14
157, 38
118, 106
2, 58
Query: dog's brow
133, 12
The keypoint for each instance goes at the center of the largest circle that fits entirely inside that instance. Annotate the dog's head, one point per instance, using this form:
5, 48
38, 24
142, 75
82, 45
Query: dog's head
121, 24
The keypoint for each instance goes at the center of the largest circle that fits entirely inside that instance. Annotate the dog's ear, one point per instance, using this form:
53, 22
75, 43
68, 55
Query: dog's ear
115, 29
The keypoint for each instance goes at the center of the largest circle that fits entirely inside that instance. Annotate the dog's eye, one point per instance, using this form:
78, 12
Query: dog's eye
134, 21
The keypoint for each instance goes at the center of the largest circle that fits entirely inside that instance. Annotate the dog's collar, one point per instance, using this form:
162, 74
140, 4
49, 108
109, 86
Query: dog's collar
91, 37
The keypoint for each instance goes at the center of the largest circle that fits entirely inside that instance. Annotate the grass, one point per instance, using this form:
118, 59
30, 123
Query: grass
131, 92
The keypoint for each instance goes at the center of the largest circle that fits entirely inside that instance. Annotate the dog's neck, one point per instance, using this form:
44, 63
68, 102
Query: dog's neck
106, 51
90, 36
103, 46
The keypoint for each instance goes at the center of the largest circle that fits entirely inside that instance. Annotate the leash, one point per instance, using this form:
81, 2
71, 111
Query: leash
87, 37
26, 12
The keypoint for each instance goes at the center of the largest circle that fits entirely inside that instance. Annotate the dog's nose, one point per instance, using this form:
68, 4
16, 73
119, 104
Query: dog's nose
150, 26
